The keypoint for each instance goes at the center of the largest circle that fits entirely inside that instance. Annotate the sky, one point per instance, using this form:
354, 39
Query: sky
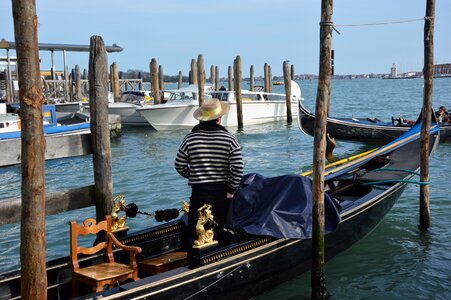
259, 31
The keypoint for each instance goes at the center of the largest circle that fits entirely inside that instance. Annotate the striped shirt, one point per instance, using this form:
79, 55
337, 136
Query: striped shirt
210, 154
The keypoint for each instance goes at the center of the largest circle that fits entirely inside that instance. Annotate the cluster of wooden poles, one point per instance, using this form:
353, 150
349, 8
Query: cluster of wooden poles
33, 265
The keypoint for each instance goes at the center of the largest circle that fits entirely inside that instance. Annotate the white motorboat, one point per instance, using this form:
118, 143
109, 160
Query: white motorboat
258, 107
126, 107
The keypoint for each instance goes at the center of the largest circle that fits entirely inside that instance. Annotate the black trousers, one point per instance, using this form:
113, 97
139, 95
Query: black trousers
216, 196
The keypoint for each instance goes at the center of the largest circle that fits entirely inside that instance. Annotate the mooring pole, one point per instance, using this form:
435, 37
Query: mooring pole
251, 75
32, 226
154, 87
229, 77
269, 79
115, 82
292, 72
238, 98
77, 82
100, 133
265, 76
179, 86
212, 74
161, 79
287, 82
322, 100
216, 78
428, 73
201, 78
193, 71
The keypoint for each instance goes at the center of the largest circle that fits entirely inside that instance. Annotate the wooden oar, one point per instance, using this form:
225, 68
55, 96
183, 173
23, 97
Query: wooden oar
374, 152
342, 161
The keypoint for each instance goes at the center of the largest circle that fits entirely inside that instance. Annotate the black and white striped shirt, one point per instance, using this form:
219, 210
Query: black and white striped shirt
210, 154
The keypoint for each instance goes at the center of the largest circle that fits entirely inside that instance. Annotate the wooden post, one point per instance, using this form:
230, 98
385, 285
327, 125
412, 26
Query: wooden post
269, 79
212, 75
265, 76
201, 78
154, 87
292, 72
322, 99
229, 72
238, 98
179, 86
111, 79
193, 71
71, 85
32, 226
428, 73
77, 83
251, 74
287, 81
161, 78
216, 78
190, 77
100, 133
115, 82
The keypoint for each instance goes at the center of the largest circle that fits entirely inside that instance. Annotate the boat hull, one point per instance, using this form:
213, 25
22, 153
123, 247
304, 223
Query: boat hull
128, 113
359, 129
172, 116
252, 272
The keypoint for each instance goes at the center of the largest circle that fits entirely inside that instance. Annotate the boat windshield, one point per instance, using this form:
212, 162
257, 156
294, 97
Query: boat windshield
134, 97
220, 96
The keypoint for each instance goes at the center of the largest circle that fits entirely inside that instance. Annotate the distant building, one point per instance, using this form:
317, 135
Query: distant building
442, 70
393, 71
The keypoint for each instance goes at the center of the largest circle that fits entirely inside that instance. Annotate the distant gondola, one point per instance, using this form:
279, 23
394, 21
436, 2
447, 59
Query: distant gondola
360, 190
363, 129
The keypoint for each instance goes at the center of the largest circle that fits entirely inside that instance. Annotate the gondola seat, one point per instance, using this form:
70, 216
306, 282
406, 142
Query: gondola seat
163, 263
107, 273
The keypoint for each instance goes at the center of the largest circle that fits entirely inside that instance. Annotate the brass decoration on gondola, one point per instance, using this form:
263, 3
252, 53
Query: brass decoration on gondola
204, 236
118, 222
185, 207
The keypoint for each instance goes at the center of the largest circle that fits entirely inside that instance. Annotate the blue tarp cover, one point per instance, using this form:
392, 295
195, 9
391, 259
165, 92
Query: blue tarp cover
279, 206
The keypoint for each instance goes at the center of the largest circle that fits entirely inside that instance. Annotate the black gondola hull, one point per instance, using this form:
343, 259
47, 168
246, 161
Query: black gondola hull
363, 131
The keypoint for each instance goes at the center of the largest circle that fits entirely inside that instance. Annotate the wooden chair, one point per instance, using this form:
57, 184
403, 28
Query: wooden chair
99, 275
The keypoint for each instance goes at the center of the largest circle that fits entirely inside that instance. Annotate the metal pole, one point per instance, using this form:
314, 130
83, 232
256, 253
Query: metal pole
10, 80
53, 65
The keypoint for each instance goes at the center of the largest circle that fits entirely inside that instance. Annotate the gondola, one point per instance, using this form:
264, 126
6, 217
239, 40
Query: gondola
369, 129
360, 191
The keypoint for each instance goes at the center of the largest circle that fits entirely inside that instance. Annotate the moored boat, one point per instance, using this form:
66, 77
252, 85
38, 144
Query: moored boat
10, 124
258, 107
363, 129
360, 189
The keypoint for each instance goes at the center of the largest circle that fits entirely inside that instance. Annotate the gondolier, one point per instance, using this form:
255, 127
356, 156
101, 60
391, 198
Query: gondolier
210, 157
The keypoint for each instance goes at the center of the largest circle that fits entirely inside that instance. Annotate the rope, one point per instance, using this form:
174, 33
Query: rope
213, 283
394, 170
395, 181
383, 23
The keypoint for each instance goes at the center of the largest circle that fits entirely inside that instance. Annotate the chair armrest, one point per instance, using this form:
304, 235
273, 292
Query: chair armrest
134, 250
122, 246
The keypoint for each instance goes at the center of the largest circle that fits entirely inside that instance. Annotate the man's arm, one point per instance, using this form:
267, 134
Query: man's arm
182, 163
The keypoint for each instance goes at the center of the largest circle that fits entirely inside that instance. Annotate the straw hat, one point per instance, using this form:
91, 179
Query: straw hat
211, 109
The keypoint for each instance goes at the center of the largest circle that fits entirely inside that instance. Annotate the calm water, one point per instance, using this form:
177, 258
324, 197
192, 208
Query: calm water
394, 261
